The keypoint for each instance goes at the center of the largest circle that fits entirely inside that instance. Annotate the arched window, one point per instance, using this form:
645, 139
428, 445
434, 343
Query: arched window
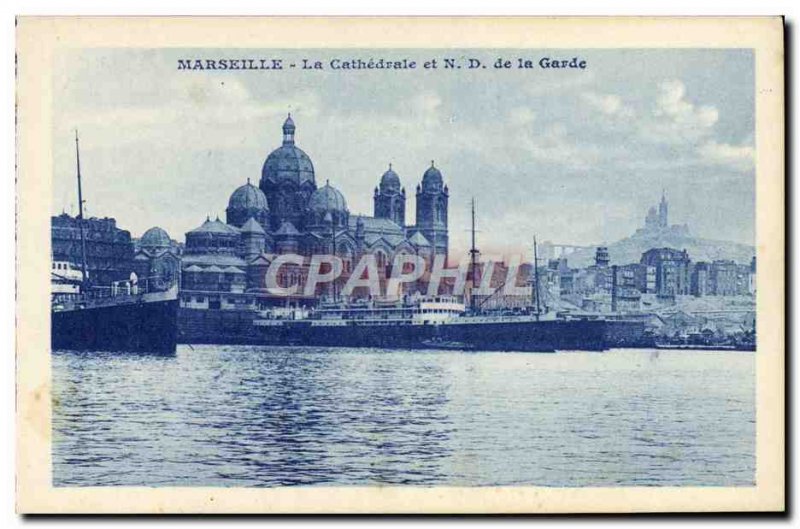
441, 210
345, 252
380, 258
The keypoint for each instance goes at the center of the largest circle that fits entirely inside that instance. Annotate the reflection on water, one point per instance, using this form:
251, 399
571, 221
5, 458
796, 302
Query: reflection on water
268, 416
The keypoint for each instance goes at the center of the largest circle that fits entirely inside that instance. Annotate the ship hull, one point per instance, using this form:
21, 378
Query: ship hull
530, 336
227, 327
133, 327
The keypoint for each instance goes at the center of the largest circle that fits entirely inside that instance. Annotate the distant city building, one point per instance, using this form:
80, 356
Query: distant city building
601, 258
566, 277
109, 249
743, 279
728, 278
626, 293
700, 282
671, 271
599, 274
661, 274
723, 277
646, 278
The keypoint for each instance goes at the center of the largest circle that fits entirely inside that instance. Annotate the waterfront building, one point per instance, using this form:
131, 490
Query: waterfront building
728, 278
109, 249
743, 279
671, 271
597, 277
723, 276
626, 292
645, 278
566, 279
700, 280
550, 283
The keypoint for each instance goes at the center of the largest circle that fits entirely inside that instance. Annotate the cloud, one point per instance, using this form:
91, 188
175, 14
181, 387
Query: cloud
557, 145
608, 104
677, 120
740, 157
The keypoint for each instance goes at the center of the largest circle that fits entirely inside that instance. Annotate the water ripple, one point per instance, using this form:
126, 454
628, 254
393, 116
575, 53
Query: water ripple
263, 417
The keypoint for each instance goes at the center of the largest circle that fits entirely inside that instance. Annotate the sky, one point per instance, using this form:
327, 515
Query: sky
573, 156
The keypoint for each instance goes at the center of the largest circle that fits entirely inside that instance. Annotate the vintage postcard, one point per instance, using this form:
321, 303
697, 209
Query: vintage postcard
398, 265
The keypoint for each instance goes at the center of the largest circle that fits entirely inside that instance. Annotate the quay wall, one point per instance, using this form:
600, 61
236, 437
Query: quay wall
216, 326
626, 334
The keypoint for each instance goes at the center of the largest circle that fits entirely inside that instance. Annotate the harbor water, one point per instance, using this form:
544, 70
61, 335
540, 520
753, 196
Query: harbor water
277, 416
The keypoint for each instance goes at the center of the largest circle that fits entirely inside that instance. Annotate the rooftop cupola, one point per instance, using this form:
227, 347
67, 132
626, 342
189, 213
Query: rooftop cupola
288, 131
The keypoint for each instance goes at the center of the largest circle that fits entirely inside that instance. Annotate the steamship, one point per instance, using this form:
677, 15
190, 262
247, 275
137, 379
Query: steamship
444, 322
439, 322
130, 315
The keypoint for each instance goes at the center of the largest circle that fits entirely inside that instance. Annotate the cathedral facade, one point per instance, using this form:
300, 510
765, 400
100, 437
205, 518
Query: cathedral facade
289, 212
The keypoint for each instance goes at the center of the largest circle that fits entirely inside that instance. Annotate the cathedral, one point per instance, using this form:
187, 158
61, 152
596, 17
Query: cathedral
289, 212
656, 223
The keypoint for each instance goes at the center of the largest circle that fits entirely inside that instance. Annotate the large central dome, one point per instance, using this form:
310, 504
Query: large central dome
287, 163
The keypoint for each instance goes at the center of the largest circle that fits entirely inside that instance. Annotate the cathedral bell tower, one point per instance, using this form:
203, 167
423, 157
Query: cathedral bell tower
663, 211
432, 198
389, 200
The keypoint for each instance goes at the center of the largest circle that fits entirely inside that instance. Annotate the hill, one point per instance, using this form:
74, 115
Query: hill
630, 249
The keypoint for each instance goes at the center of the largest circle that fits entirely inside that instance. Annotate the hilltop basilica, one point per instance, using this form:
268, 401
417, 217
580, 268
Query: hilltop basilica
290, 213
656, 223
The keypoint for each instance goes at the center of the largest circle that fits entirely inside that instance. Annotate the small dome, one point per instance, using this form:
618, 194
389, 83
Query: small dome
155, 237
327, 198
432, 179
390, 181
248, 196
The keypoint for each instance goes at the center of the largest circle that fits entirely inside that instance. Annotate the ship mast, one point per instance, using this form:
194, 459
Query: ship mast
333, 261
474, 262
535, 289
80, 213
